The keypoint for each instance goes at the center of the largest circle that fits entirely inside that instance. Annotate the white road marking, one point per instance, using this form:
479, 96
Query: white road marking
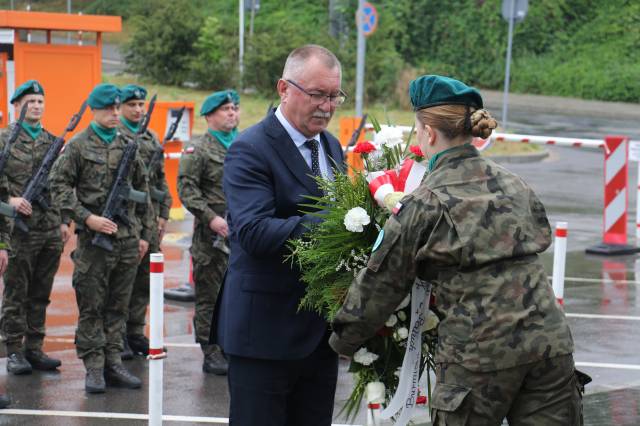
129, 416
608, 365
604, 317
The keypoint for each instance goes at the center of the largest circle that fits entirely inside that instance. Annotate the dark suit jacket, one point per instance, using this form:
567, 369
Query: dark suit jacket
265, 181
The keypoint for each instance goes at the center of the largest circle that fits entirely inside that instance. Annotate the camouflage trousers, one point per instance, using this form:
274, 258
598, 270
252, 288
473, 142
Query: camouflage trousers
35, 258
140, 294
103, 282
544, 393
208, 272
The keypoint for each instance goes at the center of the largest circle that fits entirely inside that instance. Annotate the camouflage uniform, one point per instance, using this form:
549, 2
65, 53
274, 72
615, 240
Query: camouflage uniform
474, 230
200, 190
161, 201
80, 182
35, 255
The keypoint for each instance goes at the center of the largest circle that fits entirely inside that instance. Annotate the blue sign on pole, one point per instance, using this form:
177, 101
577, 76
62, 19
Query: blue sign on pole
368, 19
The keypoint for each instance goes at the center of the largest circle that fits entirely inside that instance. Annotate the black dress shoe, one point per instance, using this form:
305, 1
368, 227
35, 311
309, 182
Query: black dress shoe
18, 364
215, 363
139, 344
117, 375
127, 353
94, 380
5, 401
41, 361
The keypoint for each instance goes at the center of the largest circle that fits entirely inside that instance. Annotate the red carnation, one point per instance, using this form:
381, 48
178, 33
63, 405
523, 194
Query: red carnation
364, 148
415, 150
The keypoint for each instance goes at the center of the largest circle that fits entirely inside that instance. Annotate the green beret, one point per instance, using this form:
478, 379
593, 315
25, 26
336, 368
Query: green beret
217, 99
104, 95
433, 90
133, 91
27, 88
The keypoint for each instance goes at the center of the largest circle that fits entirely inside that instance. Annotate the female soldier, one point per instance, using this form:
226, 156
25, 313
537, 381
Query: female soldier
474, 230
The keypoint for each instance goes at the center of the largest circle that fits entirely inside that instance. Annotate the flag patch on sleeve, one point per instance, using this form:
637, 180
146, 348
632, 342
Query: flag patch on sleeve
189, 150
397, 208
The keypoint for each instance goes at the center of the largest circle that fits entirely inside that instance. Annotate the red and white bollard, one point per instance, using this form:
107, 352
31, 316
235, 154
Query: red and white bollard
156, 344
559, 260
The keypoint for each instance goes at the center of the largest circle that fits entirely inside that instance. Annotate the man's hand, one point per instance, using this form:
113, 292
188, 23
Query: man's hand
21, 205
101, 224
219, 226
143, 246
65, 233
162, 226
4, 261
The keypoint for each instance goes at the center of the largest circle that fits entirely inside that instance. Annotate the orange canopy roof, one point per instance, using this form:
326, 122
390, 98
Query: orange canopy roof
59, 21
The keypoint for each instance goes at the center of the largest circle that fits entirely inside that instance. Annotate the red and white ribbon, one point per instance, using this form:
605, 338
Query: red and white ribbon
404, 179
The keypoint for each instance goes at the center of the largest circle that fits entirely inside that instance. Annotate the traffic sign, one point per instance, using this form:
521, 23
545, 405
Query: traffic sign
367, 18
519, 8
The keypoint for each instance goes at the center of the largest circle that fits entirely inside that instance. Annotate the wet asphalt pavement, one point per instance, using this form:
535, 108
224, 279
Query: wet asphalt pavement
606, 290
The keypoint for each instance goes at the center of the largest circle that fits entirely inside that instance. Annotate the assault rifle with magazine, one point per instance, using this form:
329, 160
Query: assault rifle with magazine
38, 186
116, 208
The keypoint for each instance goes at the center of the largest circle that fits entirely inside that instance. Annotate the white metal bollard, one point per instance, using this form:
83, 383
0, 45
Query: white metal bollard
156, 351
559, 260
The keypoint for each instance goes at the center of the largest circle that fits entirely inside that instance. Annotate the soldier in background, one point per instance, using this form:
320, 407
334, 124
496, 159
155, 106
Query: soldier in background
35, 254
200, 190
5, 237
474, 230
80, 183
131, 112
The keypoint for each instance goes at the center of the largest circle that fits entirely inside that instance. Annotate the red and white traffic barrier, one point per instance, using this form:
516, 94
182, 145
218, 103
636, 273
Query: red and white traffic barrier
616, 176
156, 350
559, 260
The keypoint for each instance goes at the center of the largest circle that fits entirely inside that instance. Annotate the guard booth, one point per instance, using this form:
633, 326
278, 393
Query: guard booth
62, 51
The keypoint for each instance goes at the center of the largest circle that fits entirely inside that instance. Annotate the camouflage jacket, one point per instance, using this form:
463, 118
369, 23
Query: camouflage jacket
160, 196
25, 157
474, 230
5, 222
200, 180
82, 177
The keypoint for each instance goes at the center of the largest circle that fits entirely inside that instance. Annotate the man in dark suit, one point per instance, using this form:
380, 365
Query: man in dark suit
281, 369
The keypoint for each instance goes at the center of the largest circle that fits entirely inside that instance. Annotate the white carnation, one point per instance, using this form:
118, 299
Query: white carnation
388, 136
404, 303
364, 357
375, 392
355, 219
431, 321
402, 316
401, 334
393, 320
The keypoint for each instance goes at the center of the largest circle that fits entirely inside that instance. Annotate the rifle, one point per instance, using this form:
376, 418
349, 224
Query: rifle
121, 192
356, 135
155, 193
38, 185
5, 208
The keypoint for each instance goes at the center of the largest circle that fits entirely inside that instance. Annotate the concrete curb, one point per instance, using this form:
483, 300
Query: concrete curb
519, 158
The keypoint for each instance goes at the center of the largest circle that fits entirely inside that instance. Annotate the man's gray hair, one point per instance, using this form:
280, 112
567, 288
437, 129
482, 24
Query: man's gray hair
298, 58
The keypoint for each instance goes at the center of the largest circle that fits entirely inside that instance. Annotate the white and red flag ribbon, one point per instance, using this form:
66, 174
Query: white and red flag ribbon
404, 179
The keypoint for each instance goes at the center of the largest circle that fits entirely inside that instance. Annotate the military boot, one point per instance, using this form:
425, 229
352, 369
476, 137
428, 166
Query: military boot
127, 353
94, 380
215, 363
5, 401
139, 344
18, 364
41, 361
117, 375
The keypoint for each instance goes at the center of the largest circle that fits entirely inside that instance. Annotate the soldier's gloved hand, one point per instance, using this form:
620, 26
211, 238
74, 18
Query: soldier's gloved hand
162, 226
101, 224
219, 226
390, 200
21, 205
4, 261
143, 246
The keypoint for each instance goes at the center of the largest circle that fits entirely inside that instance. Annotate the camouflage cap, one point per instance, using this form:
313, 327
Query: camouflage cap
217, 99
27, 88
433, 90
133, 91
104, 95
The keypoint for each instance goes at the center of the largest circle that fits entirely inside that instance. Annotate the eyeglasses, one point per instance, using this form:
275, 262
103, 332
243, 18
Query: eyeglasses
319, 98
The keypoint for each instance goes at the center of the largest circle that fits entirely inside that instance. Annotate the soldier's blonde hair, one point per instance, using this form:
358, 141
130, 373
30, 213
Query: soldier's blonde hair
456, 121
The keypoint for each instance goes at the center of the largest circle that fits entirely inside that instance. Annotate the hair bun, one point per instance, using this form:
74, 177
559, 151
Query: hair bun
482, 124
